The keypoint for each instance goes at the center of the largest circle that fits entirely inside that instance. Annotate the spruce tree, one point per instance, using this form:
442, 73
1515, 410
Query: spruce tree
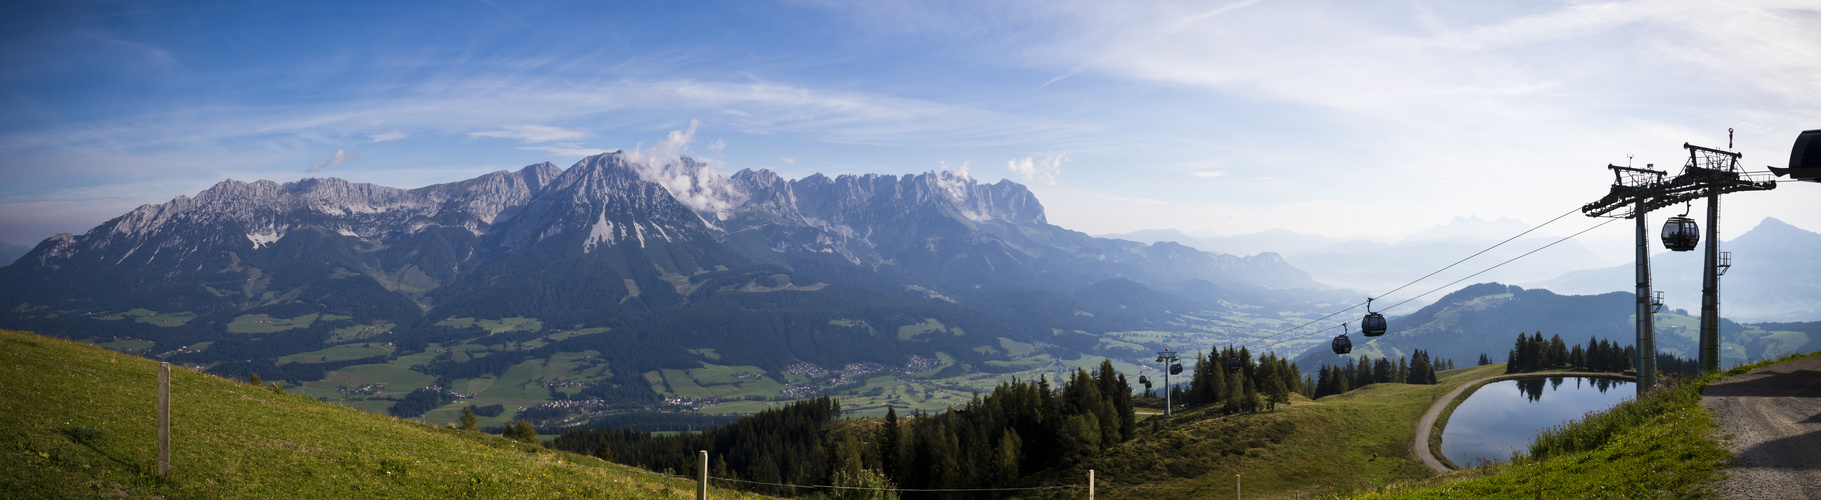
888, 439
604, 451
469, 419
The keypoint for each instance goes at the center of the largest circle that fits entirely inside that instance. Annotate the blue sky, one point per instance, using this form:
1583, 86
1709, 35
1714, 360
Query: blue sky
1336, 118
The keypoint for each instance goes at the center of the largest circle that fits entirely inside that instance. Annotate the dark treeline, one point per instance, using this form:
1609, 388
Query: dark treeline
419, 401
780, 445
492, 410
1531, 353
1337, 379
1670, 363
294, 373
661, 421
1020, 428
1271, 377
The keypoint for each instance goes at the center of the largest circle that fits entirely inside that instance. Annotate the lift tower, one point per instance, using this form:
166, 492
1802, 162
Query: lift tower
1629, 187
1708, 174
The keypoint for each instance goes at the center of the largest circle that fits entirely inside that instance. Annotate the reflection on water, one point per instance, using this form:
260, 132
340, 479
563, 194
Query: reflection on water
1532, 388
1504, 416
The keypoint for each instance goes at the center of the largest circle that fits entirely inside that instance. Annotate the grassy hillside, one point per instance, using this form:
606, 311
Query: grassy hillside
78, 421
1310, 448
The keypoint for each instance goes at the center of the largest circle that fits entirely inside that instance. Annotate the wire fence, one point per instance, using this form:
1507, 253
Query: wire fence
626, 470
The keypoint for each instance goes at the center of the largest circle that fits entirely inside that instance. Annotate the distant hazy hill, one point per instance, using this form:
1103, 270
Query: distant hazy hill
1487, 317
1775, 275
1374, 266
1282, 241
10, 252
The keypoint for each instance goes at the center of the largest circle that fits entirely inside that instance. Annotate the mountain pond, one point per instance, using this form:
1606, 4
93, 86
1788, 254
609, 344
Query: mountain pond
1502, 417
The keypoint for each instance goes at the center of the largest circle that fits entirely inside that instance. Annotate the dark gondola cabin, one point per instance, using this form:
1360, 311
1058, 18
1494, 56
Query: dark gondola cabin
1681, 234
1342, 344
1232, 365
1804, 158
1176, 369
1373, 325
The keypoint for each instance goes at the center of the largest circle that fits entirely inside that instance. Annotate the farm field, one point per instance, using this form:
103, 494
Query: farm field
150, 317
260, 323
342, 352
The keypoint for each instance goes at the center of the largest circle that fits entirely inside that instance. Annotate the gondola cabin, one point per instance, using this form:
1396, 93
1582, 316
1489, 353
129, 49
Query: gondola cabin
1232, 365
1804, 158
1342, 344
1373, 325
1176, 369
1681, 234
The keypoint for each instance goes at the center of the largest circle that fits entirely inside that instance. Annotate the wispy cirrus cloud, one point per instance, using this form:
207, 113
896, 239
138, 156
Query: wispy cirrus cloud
531, 134
386, 136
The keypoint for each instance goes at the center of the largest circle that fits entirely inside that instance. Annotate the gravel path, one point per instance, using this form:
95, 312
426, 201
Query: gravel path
1774, 416
1420, 444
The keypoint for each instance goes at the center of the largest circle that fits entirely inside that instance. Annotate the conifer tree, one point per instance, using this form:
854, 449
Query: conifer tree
888, 439
1007, 457
470, 420
605, 452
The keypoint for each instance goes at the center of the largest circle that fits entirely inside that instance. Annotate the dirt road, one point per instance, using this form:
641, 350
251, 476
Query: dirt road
1774, 416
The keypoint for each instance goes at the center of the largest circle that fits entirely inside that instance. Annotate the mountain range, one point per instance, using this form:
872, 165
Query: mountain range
1486, 318
653, 264
1775, 276
1379, 265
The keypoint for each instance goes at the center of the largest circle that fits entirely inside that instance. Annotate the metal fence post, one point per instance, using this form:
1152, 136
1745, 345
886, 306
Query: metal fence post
164, 419
702, 479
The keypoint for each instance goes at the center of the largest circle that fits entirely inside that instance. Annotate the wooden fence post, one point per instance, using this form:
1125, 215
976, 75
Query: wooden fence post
1090, 484
702, 479
164, 419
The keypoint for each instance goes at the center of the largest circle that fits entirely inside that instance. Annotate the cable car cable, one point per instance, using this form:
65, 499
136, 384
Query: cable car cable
1469, 257
1508, 261
1501, 264
1418, 280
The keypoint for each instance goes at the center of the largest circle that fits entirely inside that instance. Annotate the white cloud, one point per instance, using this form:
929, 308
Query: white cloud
717, 145
788, 160
386, 136
1208, 173
531, 134
339, 158
691, 181
1042, 170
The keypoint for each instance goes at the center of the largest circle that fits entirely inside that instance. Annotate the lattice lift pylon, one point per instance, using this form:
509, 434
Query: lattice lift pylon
1708, 174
